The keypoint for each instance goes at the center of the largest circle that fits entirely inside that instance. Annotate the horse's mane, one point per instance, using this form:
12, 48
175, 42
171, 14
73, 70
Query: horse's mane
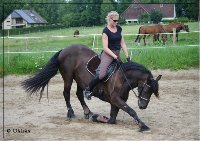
135, 66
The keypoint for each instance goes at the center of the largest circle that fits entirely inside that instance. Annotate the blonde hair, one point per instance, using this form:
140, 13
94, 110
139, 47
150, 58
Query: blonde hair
110, 14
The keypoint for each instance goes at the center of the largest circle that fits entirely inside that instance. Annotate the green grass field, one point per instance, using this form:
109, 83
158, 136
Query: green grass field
179, 56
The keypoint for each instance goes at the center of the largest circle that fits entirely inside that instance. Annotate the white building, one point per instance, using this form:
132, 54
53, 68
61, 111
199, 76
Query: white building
23, 18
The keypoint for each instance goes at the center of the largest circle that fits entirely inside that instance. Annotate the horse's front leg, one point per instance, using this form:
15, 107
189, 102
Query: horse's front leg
177, 36
113, 114
154, 38
120, 103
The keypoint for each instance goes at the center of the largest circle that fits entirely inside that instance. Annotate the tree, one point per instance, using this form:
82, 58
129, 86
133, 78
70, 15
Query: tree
9, 6
189, 10
88, 10
122, 5
92, 12
106, 7
72, 19
193, 11
155, 16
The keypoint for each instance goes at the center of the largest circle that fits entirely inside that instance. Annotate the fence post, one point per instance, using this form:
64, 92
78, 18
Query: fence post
26, 43
97, 43
8, 44
93, 43
131, 54
174, 36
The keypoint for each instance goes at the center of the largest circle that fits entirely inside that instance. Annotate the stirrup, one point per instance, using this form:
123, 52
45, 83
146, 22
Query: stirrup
87, 94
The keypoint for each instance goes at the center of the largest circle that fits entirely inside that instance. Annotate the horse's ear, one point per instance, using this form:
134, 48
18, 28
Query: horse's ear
158, 78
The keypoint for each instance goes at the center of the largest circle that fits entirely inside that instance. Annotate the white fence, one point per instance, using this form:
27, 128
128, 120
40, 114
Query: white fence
82, 35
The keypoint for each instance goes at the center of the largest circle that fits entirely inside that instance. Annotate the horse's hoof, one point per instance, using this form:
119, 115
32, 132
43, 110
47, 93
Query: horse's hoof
70, 114
144, 128
111, 121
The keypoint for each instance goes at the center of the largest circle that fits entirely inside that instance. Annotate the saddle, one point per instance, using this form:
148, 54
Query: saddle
93, 67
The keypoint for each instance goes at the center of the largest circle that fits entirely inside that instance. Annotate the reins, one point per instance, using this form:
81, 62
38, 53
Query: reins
127, 80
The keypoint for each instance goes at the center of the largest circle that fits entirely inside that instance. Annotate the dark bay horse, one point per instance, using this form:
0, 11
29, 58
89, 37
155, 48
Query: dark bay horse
178, 26
71, 63
154, 30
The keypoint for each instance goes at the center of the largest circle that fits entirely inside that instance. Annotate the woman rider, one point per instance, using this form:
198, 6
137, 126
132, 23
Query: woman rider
113, 41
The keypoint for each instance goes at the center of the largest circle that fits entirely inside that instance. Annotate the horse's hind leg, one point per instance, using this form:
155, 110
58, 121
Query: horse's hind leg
80, 96
144, 39
156, 37
66, 94
139, 39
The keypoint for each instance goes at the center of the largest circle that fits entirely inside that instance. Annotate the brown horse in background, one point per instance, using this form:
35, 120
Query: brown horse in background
154, 30
76, 33
72, 62
179, 26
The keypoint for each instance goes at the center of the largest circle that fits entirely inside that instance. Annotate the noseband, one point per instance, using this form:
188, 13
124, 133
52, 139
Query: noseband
145, 88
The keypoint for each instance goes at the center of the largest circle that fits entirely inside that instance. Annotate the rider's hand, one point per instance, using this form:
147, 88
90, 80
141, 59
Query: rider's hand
128, 59
118, 60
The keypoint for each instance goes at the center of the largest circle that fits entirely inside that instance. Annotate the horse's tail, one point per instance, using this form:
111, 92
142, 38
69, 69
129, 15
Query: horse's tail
42, 77
138, 35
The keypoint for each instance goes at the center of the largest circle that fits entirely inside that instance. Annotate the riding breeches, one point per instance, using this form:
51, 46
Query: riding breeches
106, 60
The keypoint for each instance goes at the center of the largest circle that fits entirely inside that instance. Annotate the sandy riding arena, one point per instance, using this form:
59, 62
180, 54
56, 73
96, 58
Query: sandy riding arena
175, 116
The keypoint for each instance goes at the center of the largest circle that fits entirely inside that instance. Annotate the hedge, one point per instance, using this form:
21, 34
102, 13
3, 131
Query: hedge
18, 31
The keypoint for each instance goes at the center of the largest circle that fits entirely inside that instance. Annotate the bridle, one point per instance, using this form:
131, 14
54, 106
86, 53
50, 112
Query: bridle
145, 86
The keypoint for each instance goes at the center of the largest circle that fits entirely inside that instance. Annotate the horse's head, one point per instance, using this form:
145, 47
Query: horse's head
181, 26
186, 28
141, 77
146, 88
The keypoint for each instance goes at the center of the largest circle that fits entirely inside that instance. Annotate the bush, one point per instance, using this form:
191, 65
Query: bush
144, 18
182, 20
18, 31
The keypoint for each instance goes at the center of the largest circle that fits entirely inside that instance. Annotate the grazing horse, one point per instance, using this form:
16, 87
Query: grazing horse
72, 62
76, 33
179, 26
152, 29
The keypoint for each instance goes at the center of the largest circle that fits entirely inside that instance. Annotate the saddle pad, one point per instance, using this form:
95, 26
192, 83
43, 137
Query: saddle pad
93, 64
92, 67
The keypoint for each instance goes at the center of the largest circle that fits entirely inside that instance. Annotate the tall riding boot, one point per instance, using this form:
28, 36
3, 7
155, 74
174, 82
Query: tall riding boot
88, 91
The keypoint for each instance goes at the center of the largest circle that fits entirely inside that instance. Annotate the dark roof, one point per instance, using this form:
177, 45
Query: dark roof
30, 16
136, 9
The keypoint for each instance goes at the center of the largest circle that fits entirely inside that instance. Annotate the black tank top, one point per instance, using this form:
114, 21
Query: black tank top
114, 39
